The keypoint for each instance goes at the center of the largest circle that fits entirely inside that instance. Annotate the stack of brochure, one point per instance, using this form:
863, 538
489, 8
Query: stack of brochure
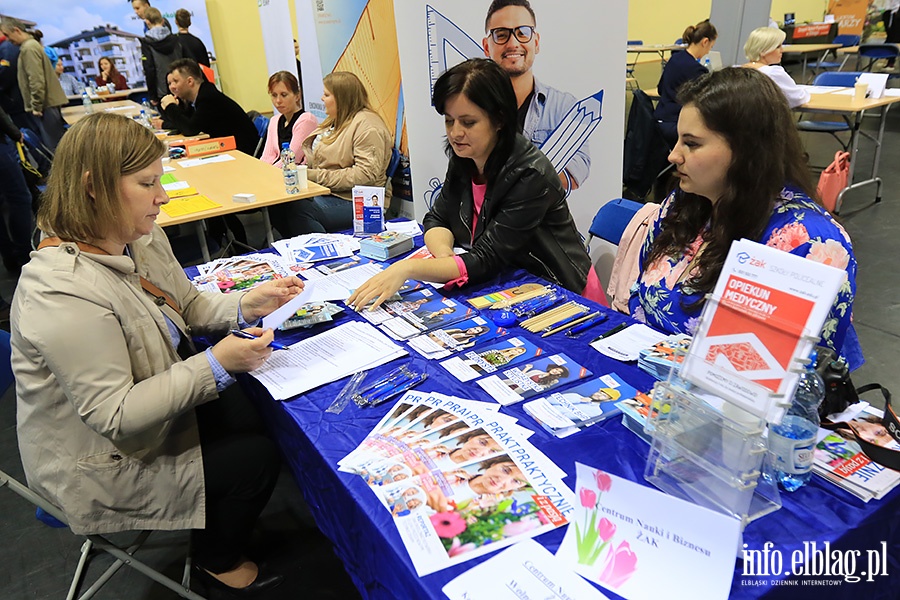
565, 413
314, 247
659, 359
533, 378
417, 312
843, 463
442, 342
240, 273
460, 479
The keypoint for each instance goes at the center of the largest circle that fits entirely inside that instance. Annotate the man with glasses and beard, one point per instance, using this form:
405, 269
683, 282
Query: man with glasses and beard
512, 41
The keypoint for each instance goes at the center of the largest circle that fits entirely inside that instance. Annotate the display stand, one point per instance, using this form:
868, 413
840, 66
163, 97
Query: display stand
707, 446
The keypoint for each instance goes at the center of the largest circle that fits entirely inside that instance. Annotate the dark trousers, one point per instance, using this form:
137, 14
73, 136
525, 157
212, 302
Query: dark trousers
240, 468
319, 214
17, 220
53, 126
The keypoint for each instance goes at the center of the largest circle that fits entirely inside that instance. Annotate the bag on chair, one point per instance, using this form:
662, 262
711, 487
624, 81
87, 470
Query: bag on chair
834, 179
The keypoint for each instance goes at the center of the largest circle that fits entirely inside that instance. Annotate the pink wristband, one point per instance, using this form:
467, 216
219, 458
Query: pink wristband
463, 278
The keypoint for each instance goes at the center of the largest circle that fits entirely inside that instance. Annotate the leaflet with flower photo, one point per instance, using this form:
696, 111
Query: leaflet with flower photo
447, 517
240, 273
440, 343
641, 543
533, 378
568, 412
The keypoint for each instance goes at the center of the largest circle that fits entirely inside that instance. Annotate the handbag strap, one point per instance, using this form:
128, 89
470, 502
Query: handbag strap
879, 454
159, 296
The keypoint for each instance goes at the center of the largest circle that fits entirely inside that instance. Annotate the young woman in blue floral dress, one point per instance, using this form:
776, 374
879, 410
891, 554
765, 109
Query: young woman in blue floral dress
742, 174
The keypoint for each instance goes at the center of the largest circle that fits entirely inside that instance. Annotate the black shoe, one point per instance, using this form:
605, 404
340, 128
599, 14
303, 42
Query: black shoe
264, 582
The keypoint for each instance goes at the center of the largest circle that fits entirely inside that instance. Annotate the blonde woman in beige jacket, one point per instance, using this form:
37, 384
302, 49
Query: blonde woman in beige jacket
351, 147
122, 424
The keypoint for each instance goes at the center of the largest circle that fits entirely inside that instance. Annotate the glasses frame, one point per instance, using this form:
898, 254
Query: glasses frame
512, 32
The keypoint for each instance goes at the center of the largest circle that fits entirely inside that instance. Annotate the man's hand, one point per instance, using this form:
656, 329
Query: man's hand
166, 100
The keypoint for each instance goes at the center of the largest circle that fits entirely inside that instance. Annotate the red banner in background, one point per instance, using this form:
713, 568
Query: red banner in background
811, 31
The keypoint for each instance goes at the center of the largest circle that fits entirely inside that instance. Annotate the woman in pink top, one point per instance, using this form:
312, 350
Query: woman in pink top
291, 123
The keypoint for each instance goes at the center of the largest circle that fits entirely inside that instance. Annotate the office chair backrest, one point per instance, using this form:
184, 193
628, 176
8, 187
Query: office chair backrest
394, 163
876, 51
846, 40
6, 374
612, 218
837, 78
635, 42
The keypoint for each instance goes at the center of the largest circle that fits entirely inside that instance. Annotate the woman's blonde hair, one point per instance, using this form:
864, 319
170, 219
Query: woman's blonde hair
761, 41
350, 97
82, 201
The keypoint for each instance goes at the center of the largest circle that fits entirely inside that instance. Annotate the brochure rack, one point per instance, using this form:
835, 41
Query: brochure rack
708, 446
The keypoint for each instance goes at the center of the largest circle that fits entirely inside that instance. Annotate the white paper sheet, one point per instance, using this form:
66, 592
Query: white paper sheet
407, 227
628, 343
526, 570
324, 358
196, 162
176, 185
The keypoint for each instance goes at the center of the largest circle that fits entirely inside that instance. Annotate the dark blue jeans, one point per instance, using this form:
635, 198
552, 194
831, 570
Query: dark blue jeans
320, 214
15, 206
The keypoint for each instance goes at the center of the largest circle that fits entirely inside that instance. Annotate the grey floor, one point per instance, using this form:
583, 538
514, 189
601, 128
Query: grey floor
36, 562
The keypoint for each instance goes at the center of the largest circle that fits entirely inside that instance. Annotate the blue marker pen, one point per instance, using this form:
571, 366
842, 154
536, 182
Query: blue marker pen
250, 336
586, 325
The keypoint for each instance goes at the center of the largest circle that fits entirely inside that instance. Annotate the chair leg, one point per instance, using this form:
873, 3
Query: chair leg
79, 569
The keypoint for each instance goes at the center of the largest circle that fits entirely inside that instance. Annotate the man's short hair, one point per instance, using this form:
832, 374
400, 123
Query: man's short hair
498, 4
187, 67
183, 17
144, 2
153, 16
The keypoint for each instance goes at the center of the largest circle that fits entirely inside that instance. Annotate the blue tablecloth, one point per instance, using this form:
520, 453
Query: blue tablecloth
368, 543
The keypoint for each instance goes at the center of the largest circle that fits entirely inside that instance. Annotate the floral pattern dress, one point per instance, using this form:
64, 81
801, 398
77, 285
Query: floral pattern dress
798, 225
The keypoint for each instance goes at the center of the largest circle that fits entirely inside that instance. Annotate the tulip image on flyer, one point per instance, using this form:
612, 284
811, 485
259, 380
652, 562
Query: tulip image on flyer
595, 537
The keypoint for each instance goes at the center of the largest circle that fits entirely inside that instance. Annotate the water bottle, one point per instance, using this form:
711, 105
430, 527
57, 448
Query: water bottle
86, 102
793, 441
289, 169
144, 120
706, 63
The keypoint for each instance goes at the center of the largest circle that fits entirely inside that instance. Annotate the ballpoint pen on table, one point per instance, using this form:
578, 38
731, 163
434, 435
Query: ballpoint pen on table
615, 329
570, 323
600, 318
250, 336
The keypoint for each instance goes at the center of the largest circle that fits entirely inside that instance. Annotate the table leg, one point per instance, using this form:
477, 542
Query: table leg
201, 236
874, 178
267, 223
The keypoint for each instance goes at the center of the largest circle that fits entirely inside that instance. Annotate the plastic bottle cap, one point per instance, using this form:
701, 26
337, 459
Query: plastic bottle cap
285, 145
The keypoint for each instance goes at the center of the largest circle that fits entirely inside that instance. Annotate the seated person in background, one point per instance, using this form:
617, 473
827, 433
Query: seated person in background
159, 49
501, 199
145, 432
191, 45
290, 123
351, 147
201, 107
109, 74
763, 50
742, 174
70, 85
682, 66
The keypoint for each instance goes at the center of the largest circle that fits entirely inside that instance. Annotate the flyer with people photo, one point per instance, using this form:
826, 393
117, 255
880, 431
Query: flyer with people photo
459, 479
491, 358
568, 412
533, 378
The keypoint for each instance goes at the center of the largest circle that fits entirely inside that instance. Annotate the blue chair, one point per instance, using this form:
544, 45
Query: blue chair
611, 220
629, 68
874, 52
846, 41
394, 163
54, 517
261, 122
836, 79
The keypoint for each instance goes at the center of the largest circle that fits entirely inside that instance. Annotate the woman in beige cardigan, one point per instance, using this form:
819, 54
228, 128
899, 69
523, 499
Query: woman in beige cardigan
351, 147
122, 424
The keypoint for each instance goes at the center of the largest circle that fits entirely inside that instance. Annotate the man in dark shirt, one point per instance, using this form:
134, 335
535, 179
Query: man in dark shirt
192, 45
195, 106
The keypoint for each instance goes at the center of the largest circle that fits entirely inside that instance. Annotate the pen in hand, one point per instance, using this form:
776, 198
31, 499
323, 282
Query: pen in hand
250, 336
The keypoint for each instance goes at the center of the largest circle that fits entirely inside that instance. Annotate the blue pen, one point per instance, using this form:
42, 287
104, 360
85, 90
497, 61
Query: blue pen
587, 325
563, 322
250, 336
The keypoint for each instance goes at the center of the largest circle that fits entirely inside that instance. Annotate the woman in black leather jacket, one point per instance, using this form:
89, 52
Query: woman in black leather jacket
501, 199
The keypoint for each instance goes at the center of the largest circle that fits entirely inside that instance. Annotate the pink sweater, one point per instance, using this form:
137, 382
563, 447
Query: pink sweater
303, 126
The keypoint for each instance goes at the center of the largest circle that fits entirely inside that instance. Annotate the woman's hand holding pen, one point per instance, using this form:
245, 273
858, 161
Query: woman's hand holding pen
240, 355
262, 300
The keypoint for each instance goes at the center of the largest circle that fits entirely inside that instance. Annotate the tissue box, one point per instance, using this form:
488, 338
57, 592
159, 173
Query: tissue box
385, 245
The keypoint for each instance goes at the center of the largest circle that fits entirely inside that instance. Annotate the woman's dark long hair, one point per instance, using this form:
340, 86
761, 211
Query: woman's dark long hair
746, 108
487, 86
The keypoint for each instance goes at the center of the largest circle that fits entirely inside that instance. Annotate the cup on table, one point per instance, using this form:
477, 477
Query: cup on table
302, 181
860, 89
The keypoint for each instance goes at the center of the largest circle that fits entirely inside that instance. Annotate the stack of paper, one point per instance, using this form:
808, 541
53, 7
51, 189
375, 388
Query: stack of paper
324, 358
240, 273
460, 479
565, 413
313, 247
659, 359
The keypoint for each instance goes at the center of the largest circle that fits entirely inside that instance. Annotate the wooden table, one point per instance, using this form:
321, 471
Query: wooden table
219, 181
846, 104
117, 95
126, 108
805, 50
